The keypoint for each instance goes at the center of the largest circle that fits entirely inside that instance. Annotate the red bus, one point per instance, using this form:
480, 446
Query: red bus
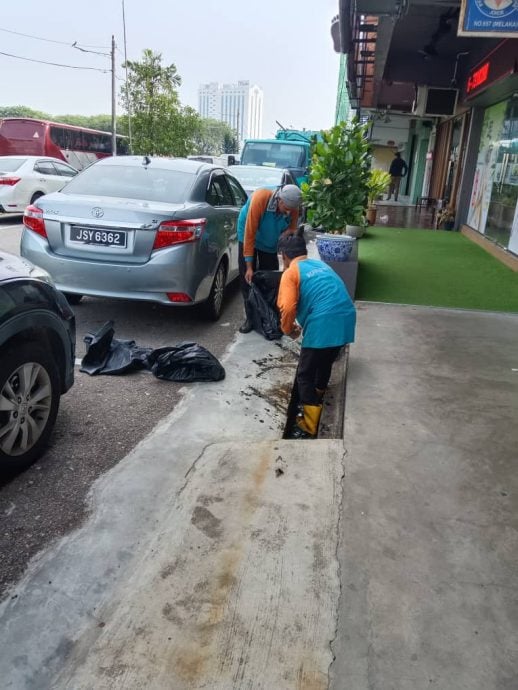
77, 146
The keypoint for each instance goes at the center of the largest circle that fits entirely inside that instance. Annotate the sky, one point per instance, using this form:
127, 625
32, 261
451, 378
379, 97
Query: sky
284, 46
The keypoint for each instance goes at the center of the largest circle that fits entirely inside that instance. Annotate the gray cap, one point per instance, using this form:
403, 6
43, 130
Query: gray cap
290, 195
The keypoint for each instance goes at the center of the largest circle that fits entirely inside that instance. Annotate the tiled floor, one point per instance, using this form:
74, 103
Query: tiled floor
402, 215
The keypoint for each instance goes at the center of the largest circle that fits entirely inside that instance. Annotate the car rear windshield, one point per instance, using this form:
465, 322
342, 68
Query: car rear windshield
11, 164
132, 182
274, 155
258, 175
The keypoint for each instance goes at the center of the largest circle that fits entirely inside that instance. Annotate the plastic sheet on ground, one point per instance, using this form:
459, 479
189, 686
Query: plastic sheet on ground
184, 362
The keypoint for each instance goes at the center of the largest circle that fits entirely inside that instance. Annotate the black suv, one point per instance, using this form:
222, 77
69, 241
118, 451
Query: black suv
37, 355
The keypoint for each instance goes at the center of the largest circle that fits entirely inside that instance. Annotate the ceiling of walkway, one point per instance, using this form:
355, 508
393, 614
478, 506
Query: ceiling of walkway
417, 43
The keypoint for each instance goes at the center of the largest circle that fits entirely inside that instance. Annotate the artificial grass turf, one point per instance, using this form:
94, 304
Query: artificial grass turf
434, 268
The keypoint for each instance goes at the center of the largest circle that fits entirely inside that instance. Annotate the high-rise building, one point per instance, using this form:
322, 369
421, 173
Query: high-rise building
208, 100
239, 105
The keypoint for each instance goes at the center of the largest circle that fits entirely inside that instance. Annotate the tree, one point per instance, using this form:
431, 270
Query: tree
159, 123
215, 137
22, 111
230, 142
101, 122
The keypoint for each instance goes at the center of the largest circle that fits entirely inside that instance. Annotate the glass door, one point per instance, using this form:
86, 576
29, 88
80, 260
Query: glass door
504, 192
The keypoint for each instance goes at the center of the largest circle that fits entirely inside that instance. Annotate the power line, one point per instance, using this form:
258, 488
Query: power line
48, 40
55, 64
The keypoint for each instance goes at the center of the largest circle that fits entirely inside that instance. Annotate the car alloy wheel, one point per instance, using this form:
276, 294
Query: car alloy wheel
29, 399
215, 301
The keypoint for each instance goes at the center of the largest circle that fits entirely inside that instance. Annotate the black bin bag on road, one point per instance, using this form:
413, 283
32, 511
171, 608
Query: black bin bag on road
186, 362
262, 304
106, 355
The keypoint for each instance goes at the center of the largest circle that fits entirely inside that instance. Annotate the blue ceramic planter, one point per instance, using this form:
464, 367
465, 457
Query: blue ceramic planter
335, 247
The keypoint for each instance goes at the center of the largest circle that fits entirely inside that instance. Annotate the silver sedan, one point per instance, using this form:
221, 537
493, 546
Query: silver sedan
156, 229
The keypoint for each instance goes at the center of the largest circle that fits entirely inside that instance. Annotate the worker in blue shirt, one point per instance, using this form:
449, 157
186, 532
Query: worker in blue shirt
313, 300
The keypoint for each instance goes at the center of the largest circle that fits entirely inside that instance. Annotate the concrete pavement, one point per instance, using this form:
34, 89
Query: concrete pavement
218, 556
429, 530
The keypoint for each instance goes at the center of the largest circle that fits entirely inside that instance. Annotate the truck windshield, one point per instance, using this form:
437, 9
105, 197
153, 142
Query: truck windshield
274, 155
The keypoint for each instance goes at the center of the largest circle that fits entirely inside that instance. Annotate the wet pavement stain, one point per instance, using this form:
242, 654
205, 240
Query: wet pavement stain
205, 521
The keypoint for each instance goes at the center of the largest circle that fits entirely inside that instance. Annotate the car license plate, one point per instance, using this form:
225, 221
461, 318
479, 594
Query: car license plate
98, 237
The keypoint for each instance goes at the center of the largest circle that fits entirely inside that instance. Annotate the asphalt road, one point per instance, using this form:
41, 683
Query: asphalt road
100, 419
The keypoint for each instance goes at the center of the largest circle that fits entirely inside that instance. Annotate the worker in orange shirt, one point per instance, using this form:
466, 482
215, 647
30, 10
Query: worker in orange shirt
313, 300
265, 216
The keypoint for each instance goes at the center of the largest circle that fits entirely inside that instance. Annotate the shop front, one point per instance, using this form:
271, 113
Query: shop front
493, 198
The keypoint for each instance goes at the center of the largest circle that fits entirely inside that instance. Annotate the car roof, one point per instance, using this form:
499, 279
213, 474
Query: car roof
12, 266
35, 158
162, 163
259, 167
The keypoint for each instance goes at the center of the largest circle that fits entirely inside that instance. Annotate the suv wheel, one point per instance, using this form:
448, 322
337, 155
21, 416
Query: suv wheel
214, 303
29, 401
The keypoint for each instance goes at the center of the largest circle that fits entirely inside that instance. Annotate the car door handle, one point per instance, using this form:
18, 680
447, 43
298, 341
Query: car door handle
228, 226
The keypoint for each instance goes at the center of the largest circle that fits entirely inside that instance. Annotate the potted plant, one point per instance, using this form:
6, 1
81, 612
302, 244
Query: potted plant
378, 182
445, 218
337, 191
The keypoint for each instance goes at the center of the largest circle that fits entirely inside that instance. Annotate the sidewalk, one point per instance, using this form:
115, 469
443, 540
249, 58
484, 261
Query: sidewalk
217, 556
429, 529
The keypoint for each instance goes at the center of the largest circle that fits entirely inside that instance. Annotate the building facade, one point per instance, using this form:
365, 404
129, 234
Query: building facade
240, 105
208, 100
459, 95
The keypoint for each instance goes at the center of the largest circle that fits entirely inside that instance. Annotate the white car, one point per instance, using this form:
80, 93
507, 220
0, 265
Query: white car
23, 179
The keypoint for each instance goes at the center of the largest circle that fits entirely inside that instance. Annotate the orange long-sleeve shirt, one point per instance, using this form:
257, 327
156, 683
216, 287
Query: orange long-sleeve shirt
258, 207
288, 297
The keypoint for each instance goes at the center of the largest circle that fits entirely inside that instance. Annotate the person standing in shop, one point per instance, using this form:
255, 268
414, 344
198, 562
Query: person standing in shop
398, 169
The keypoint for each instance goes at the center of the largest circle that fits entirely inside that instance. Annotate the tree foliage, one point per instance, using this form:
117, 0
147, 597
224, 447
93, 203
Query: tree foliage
160, 125
338, 187
214, 138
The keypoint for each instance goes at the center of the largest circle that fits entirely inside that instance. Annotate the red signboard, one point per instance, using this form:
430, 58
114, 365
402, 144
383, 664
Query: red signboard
497, 65
478, 77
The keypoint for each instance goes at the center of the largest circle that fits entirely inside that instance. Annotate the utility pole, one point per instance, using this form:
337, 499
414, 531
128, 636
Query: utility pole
127, 87
114, 121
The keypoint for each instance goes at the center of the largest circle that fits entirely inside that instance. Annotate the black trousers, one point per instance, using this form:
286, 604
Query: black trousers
314, 371
263, 261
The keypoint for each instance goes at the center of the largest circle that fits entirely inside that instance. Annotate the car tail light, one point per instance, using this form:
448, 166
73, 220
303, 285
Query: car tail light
172, 232
33, 220
178, 297
10, 181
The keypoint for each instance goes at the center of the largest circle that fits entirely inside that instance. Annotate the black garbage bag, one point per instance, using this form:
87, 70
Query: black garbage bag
185, 362
262, 304
106, 355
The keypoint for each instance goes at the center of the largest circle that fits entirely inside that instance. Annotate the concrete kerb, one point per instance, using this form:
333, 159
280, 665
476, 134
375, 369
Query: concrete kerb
207, 548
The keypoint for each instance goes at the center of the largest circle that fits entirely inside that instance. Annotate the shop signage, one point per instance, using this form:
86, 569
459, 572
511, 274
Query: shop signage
497, 65
478, 77
489, 18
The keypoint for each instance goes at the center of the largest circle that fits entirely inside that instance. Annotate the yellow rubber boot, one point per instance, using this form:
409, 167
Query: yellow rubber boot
307, 424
